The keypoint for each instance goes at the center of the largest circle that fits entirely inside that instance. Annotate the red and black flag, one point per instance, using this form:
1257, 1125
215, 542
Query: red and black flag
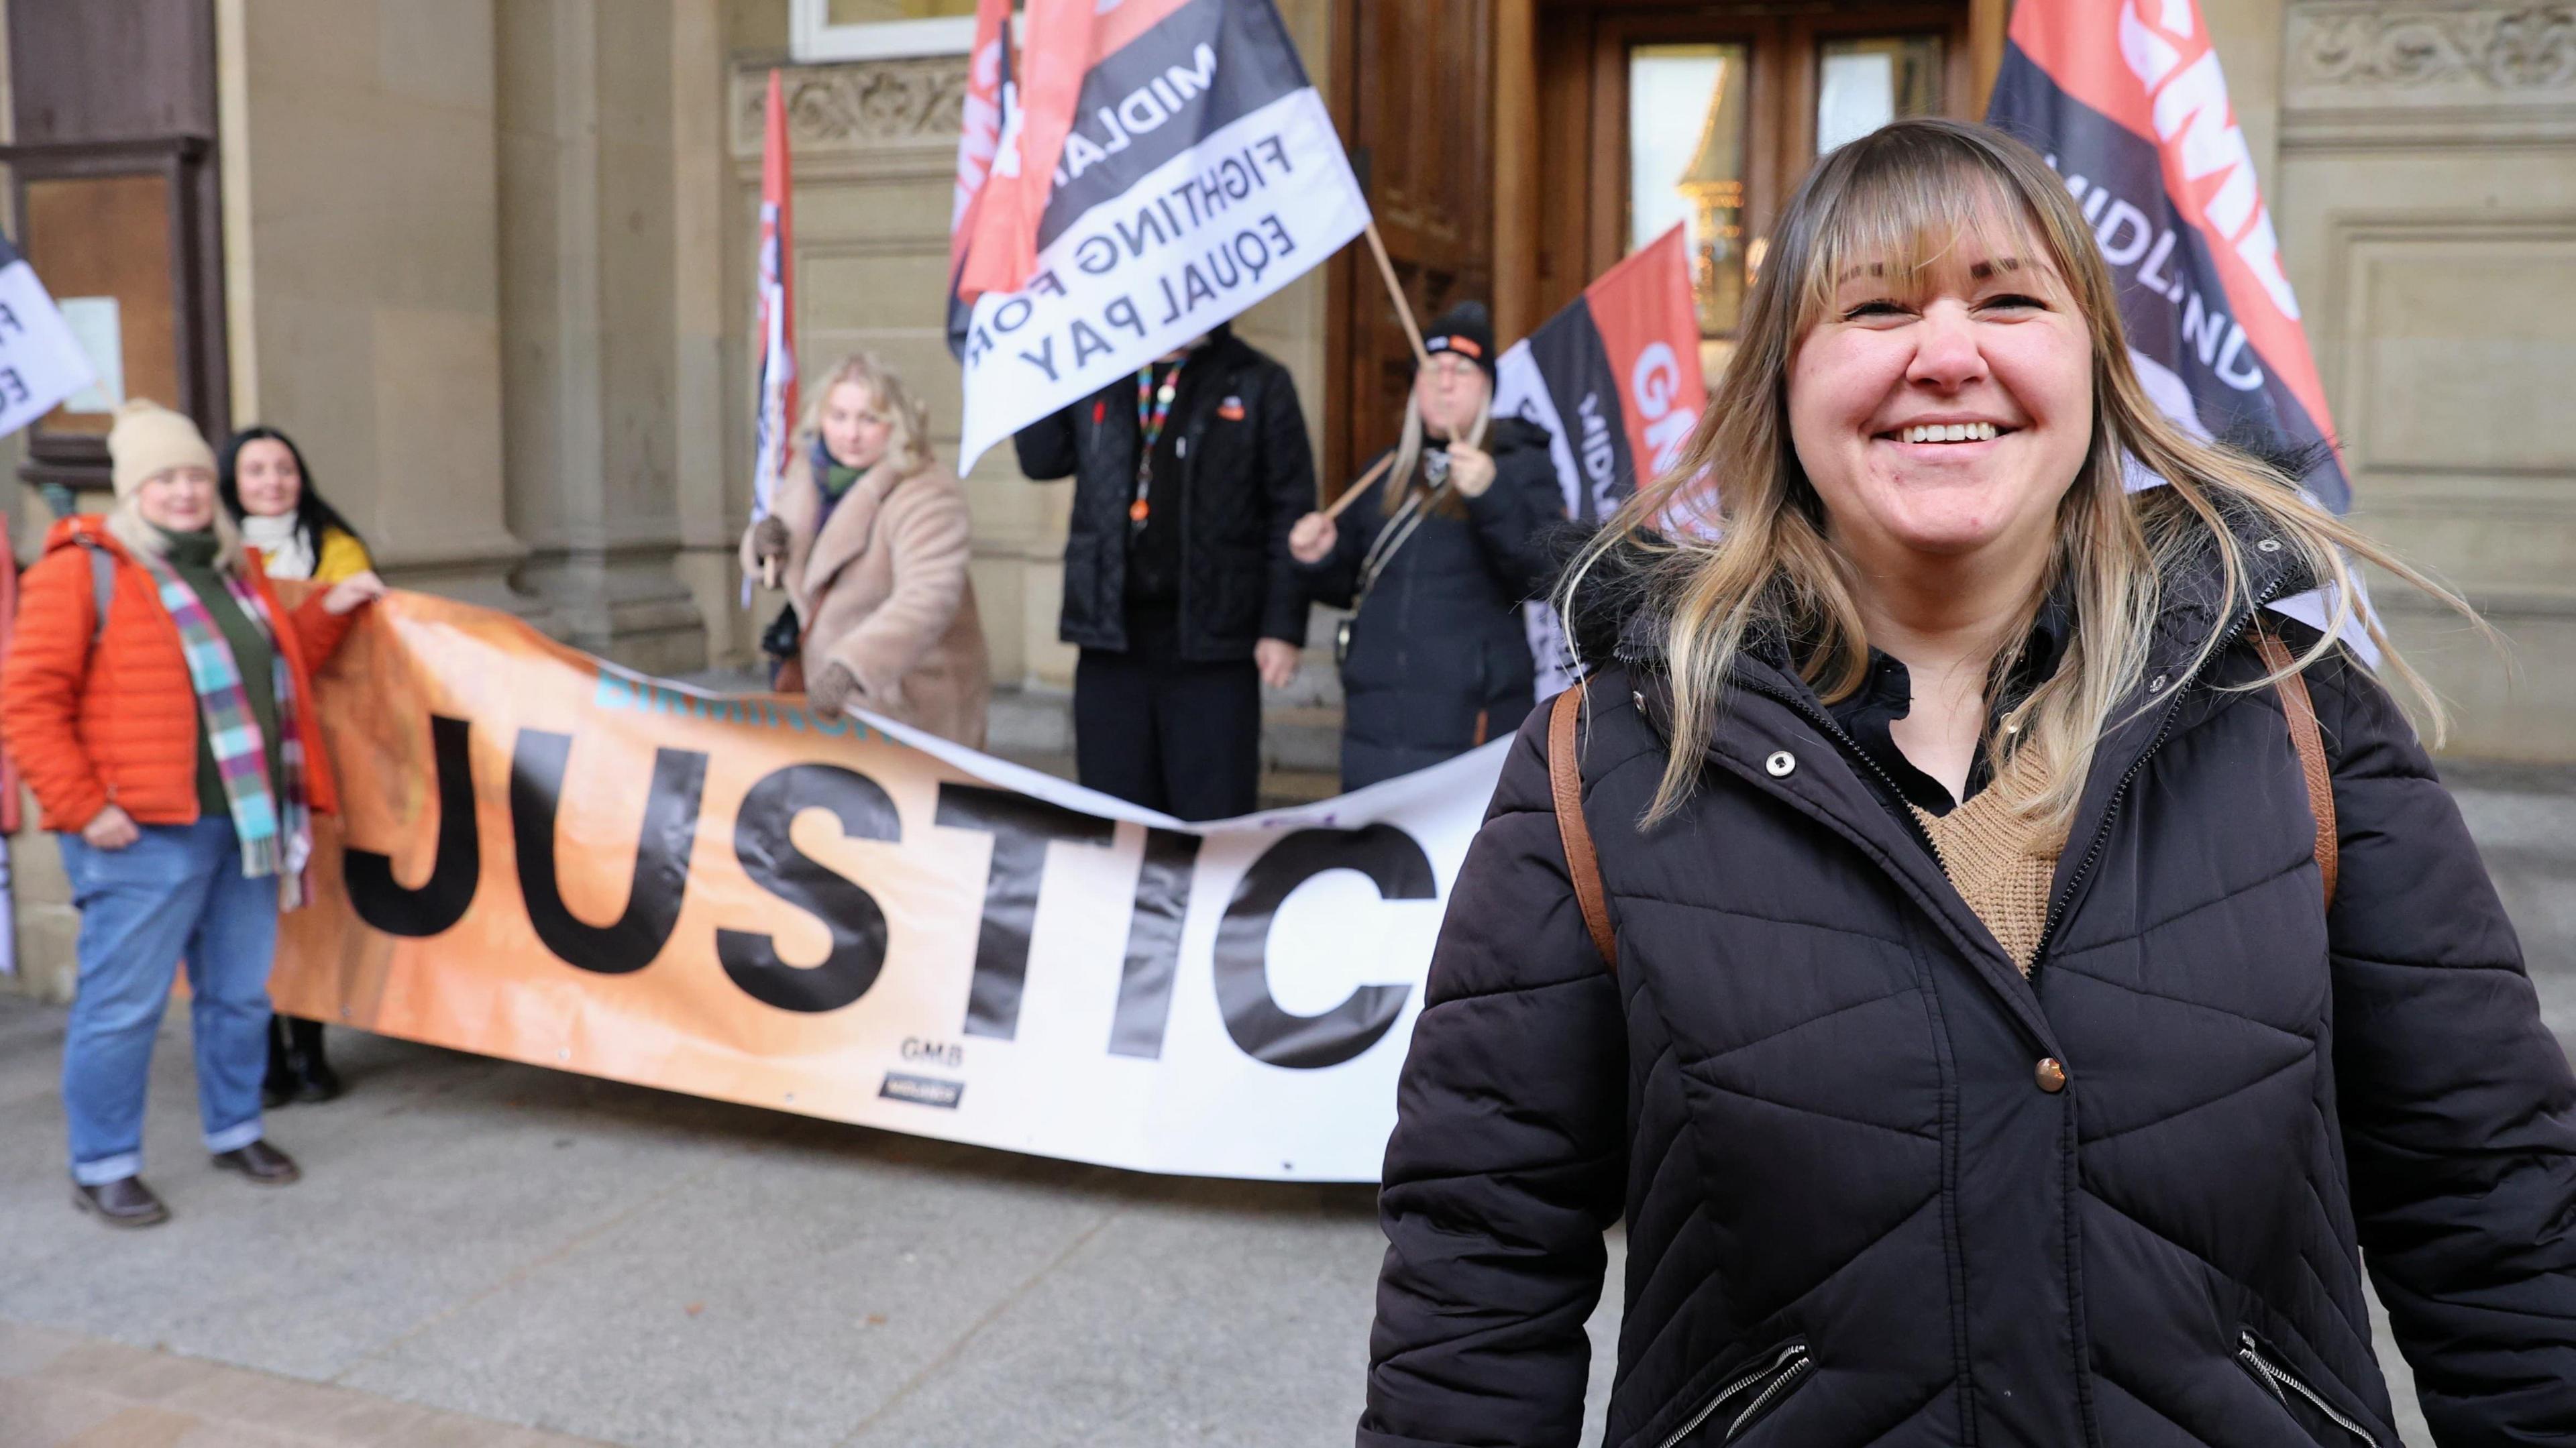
1614, 378
990, 98
2126, 100
1160, 165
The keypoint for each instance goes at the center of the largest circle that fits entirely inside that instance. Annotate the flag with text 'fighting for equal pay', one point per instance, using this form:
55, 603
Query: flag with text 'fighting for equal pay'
41, 361
2126, 99
1161, 165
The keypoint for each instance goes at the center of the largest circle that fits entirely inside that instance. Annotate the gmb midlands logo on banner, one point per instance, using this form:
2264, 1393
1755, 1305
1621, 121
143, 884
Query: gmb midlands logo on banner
1160, 166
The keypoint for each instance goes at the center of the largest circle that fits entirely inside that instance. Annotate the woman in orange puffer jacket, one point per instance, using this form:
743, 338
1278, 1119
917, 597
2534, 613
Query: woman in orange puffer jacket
173, 745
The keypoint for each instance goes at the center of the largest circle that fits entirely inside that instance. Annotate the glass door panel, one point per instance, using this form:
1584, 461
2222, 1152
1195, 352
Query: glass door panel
1864, 82
1686, 164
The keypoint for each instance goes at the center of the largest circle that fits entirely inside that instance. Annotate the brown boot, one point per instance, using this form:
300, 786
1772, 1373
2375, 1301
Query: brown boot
125, 1202
264, 1164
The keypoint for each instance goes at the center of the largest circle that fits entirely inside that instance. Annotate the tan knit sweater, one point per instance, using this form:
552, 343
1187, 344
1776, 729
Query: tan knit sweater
2002, 865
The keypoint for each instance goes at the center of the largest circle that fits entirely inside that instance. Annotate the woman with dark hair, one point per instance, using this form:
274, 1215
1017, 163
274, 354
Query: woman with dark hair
267, 492
2005, 973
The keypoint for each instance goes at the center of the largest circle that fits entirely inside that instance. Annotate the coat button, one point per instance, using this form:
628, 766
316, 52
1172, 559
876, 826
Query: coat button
1780, 763
2051, 1075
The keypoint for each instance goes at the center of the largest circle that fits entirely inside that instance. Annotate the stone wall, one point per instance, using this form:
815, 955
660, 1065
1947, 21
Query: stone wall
2426, 201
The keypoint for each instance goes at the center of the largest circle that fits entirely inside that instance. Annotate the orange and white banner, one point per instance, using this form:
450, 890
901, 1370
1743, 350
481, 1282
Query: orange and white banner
546, 858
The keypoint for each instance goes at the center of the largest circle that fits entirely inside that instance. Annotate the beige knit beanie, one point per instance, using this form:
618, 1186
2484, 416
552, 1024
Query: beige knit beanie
149, 438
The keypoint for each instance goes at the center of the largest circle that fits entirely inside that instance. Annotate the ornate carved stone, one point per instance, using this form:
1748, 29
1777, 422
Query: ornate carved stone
2507, 47
864, 103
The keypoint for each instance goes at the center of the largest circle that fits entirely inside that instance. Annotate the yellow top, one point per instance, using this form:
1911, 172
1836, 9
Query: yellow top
342, 555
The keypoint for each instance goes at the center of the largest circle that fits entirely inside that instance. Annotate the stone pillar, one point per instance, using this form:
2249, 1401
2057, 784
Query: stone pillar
707, 410
362, 298
591, 297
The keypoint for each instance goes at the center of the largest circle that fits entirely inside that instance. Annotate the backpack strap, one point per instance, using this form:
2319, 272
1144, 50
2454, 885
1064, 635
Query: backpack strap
2306, 738
102, 584
1565, 782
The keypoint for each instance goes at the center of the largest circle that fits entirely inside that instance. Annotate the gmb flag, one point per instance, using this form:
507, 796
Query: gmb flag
1161, 166
1615, 379
2126, 100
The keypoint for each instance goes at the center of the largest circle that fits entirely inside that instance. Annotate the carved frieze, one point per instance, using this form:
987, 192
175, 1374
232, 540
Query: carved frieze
855, 106
2522, 48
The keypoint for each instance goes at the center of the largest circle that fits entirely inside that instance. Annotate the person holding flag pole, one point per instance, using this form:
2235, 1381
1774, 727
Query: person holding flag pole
1435, 566
1155, 167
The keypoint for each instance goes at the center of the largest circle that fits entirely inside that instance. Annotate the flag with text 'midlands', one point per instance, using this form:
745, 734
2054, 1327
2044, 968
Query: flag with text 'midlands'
1615, 379
2126, 99
1191, 172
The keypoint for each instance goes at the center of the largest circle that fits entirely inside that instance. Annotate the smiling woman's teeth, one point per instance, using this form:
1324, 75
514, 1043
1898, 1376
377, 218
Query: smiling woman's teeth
1951, 432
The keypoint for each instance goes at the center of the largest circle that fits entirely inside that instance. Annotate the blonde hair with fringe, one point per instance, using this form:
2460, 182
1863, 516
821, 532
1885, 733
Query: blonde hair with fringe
888, 399
1898, 201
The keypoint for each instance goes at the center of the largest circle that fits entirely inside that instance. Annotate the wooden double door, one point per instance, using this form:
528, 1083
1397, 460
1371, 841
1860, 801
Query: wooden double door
1514, 149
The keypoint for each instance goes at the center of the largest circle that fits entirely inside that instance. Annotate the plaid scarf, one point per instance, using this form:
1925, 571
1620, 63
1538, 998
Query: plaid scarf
273, 819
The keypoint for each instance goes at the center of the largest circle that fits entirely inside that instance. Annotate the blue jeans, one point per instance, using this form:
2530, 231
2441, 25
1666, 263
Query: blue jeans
177, 892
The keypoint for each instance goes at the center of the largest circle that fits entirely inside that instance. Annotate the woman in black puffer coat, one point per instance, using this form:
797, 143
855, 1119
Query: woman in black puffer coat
1984, 1061
1435, 563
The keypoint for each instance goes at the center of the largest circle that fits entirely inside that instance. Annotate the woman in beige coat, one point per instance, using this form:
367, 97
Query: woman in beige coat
871, 536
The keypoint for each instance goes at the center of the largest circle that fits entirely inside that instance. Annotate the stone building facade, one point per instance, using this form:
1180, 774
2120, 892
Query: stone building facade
490, 262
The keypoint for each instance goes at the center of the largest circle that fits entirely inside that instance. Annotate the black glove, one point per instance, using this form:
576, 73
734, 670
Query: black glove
769, 538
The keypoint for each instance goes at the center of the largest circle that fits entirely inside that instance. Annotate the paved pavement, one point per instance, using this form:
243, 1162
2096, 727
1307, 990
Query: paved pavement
483, 1249
542, 1250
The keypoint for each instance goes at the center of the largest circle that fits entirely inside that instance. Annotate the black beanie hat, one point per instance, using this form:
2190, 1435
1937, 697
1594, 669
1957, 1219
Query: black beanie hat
1466, 329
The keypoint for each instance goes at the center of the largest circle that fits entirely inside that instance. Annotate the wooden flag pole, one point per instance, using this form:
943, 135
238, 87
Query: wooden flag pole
1367, 480
1403, 308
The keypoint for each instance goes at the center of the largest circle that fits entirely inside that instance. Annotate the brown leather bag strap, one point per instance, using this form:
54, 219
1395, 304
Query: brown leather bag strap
1565, 782
2305, 737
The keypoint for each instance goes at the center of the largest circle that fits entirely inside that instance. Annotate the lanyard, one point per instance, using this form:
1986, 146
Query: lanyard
1153, 410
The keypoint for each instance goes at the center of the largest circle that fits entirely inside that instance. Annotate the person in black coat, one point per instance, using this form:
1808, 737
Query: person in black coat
1980, 1050
1435, 563
1177, 583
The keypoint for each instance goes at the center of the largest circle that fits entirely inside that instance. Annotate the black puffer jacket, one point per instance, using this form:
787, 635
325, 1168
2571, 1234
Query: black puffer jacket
1247, 476
1854, 1214
1439, 660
